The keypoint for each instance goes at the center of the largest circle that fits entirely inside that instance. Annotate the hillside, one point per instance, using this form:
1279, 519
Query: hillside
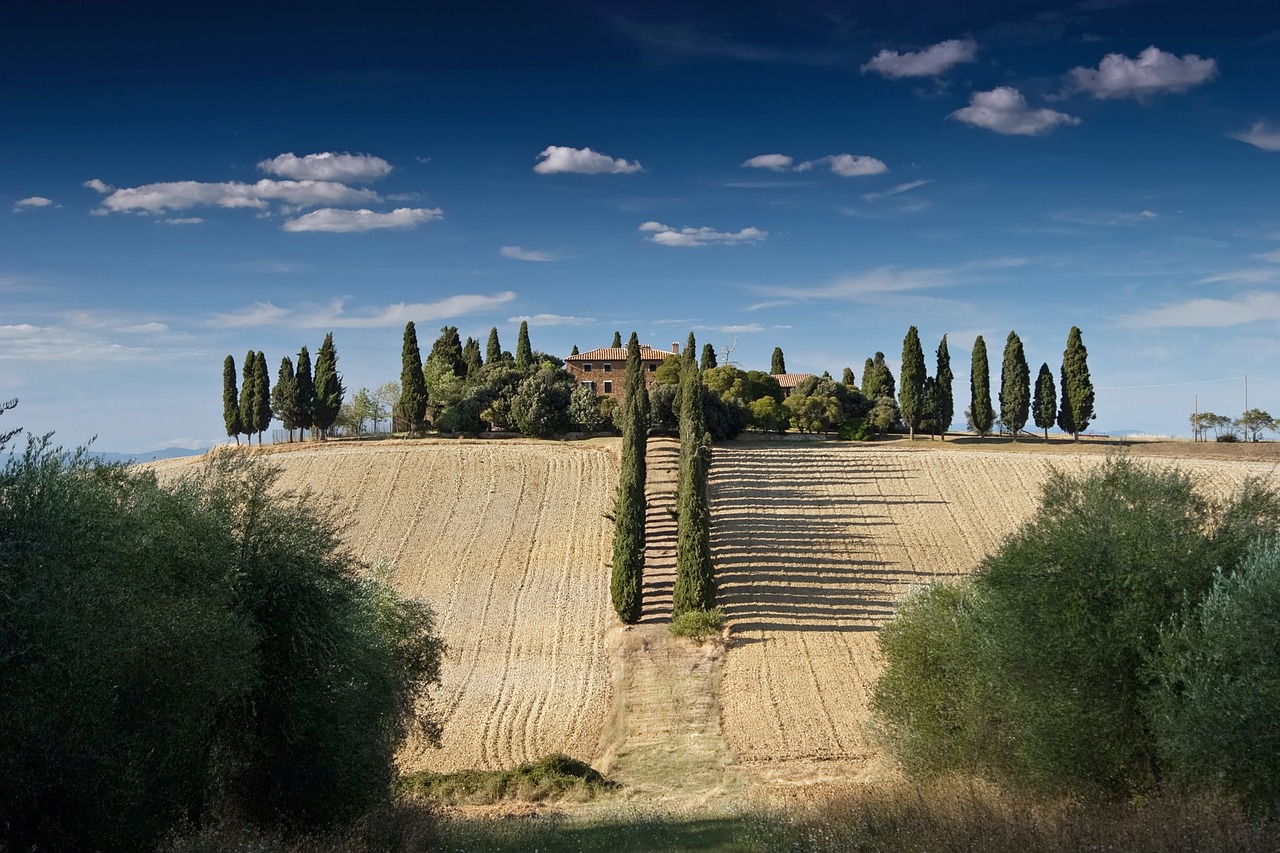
813, 543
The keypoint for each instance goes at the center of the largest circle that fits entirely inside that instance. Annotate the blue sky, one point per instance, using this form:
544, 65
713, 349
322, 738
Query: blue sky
179, 184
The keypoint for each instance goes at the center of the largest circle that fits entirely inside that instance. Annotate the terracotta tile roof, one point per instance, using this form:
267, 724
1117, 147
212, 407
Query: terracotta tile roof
791, 380
647, 353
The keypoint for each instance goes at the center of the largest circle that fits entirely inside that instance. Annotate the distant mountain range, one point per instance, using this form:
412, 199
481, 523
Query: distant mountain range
146, 456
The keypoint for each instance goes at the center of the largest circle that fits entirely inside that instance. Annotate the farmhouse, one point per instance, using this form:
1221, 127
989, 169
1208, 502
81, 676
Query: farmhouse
604, 369
789, 381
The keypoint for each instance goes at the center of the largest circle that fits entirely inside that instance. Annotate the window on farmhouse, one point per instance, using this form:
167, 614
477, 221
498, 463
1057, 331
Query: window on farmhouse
586, 367
608, 367
590, 385
608, 387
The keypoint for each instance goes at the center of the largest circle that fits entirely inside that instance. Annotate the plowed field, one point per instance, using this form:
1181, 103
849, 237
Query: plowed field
814, 543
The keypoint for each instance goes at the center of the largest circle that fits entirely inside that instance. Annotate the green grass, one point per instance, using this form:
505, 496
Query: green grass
556, 777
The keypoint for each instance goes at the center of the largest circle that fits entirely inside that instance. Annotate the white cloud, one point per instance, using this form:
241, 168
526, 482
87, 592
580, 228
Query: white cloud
883, 281
1260, 136
1004, 110
776, 162
583, 161
182, 195
1239, 310
183, 220
327, 166
1104, 217
551, 320
929, 62
665, 235
1153, 72
187, 443
516, 253
1262, 275
335, 316
733, 328
1272, 257
847, 165
146, 328
97, 185
333, 219
33, 201
892, 191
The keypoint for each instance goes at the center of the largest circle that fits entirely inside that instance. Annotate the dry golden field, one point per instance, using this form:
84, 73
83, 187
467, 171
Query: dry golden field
813, 544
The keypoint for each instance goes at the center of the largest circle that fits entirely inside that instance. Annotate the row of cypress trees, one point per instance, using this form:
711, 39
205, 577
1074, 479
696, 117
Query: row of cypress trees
629, 510
300, 400
695, 584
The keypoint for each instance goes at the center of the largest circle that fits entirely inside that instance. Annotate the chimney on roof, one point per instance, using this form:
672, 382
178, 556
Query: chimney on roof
675, 348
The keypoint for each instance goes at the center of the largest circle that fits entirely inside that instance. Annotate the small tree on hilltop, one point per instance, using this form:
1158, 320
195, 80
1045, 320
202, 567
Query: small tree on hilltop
230, 400
329, 390
413, 385
306, 392
493, 349
261, 396
981, 415
1253, 422
778, 364
524, 350
284, 397
946, 402
911, 389
1076, 408
617, 340
248, 414
629, 510
447, 350
1015, 386
1045, 404
847, 378
708, 357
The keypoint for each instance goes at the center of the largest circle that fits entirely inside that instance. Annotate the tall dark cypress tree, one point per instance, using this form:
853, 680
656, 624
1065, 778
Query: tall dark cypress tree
629, 512
848, 380
1045, 404
329, 390
261, 395
708, 357
413, 385
1015, 386
695, 583
1076, 409
981, 414
524, 350
617, 340
778, 364
248, 412
284, 396
911, 386
447, 350
868, 382
471, 355
574, 351
946, 401
306, 392
230, 400
493, 349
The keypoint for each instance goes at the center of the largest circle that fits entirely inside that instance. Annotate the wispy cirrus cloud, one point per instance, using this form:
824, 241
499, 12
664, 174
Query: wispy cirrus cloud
844, 165
1256, 275
1004, 110
1152, 72
895, 190
184, 195
930, 62
555, 159
1104, 217
335, 314
181, 220
327, 166
551, 320
665, 235
33, 202
337, 220
882, 281
516, 253
1260, 136
1242, 309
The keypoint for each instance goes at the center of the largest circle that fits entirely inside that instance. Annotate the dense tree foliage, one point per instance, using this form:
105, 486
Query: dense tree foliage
306, 391
284, 396
1041, 671
171, 651
617, 340
708, 358
944, 411
777, 364
524, 350
447, 351
1015, 386
540, 407
848, 379
981, 415
471, 357
411, 410
261, 395
328, 387
248, 411
1076, 400
629, 509
493, 348
911, 403
694, 585
1044, 405
230, 400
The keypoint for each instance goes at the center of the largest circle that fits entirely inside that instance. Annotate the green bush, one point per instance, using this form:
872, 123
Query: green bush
698, 625
555, 777
1036, 671
168, 650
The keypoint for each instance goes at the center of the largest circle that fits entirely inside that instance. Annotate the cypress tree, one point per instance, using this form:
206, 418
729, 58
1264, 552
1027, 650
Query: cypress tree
471, 357
248, 412
1045, 404
1015, 386
946, 401
708, 357
695, 583
778, 366
329, 390
848, 380
524, 351
629, 513
447, 350
617, 340
230, 400
413, 384
284, 397
980, 412
911, 390
1077, 388
493, 349
261, 395
929, 422
574, 351
306, 392
868, 383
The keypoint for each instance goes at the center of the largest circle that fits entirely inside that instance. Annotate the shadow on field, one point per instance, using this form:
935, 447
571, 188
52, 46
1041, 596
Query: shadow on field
641, 835
790, 556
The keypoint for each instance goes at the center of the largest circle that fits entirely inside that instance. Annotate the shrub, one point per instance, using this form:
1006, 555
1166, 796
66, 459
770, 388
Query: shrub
555, 777
698, 625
